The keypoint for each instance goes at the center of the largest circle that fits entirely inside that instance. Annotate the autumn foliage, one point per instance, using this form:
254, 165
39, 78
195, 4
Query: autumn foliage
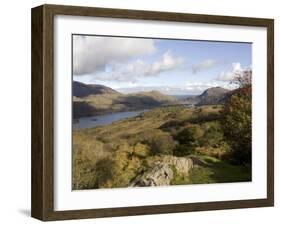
237, 120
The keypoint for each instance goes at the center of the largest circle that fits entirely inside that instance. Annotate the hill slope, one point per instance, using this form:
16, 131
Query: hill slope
90, 100
83, 90
211, 96
140, 151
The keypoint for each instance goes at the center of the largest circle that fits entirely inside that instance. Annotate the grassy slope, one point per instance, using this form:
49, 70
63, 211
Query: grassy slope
113, 155
217, 171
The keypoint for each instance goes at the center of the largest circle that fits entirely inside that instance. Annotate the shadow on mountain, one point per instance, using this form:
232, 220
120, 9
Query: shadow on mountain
137, 102
80, 89
82, 109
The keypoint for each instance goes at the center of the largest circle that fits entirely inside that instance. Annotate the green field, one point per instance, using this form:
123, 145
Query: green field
118, 154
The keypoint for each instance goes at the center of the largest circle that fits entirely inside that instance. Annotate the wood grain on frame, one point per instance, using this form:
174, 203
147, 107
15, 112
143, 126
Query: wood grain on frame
42, 203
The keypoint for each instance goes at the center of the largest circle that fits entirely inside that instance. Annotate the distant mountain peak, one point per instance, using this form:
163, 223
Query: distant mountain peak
211, 96
215, 91
83, 90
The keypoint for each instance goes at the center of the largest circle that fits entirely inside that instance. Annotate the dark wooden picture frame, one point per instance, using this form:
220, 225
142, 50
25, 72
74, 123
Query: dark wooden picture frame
42, 203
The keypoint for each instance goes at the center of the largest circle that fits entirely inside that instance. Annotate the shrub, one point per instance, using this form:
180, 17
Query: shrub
141, 150
221, 152
82, 174
170, 125
120, 169
213, 135
204, 117
103, 172
161, 143
183, 150
190, 135
85, 157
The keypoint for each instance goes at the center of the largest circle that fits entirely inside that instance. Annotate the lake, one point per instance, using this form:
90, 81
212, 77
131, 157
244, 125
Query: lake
100, 120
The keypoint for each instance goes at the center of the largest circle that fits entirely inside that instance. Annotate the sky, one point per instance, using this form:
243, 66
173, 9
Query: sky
174, 67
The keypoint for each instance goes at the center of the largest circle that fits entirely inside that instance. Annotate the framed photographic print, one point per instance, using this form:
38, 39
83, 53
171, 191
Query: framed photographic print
141, 112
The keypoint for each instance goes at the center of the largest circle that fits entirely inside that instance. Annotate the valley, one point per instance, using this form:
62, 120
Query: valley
169, 141
93, 100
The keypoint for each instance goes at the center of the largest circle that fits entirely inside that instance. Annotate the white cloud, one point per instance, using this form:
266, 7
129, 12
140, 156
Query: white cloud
201, 86
193, 88
204, 65
131, 72
92, 53
235, 70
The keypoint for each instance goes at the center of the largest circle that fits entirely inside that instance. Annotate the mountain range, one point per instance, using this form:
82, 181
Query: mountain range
90, 100
93, 99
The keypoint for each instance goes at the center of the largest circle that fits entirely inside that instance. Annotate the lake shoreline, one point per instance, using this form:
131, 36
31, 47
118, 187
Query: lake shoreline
105, 119
96, 117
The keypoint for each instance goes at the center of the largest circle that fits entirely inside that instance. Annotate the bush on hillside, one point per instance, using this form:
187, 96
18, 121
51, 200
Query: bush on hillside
160, 143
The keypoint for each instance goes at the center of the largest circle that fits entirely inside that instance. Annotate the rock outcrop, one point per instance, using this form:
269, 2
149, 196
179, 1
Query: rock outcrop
160, 175
162, 172
181, 164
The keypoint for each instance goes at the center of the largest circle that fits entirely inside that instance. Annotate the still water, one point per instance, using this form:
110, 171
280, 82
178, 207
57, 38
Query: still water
100, 120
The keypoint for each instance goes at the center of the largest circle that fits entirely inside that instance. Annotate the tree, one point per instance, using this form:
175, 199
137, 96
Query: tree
243, 79
188, 140
237, 120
